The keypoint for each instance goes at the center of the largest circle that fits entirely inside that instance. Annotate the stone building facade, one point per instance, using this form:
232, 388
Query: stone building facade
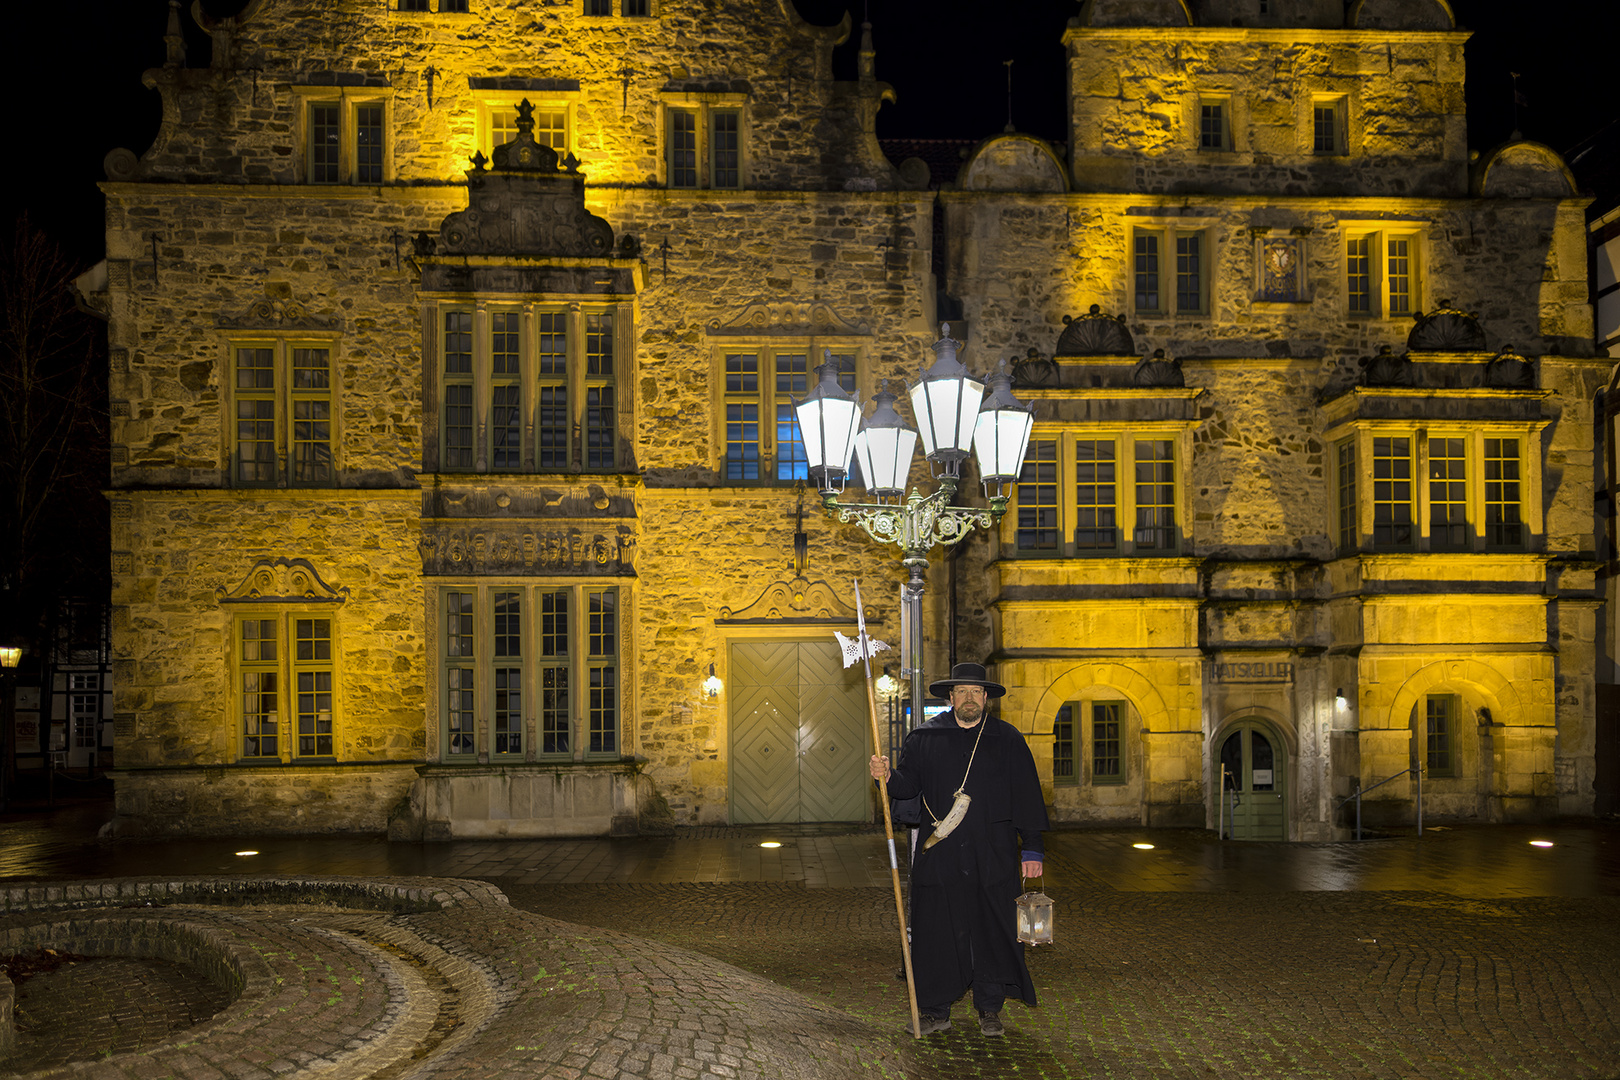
453, 353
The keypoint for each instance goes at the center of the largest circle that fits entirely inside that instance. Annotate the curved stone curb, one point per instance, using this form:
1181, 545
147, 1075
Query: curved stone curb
345, 978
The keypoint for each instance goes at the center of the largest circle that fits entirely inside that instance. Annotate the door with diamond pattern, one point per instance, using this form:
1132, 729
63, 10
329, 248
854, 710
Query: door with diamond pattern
798, 734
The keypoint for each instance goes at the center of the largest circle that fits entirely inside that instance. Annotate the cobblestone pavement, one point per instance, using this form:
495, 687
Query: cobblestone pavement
1467, 953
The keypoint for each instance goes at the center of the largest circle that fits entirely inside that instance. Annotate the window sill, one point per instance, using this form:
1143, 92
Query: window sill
1280, 307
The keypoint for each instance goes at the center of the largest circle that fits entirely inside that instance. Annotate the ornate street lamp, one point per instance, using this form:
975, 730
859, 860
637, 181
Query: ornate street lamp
955, 417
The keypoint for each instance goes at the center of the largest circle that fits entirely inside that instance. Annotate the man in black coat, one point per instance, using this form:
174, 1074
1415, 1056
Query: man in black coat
964, 888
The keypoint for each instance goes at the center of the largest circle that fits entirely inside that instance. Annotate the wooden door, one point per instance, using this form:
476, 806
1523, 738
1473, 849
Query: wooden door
1255, 788
798, 734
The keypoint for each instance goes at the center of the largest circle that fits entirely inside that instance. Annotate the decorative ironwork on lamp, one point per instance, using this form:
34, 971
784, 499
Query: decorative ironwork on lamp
954, 418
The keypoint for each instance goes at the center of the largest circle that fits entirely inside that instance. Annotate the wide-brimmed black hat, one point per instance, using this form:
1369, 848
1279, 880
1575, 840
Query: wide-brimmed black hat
966, 675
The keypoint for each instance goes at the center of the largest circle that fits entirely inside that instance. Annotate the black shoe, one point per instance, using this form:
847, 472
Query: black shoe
990, 1025
930, 1024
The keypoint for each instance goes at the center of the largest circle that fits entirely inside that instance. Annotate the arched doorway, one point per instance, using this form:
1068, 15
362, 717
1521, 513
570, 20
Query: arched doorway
1252, 762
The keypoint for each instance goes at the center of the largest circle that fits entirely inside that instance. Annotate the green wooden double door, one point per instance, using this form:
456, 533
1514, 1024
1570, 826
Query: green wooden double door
1254, 767
799, 738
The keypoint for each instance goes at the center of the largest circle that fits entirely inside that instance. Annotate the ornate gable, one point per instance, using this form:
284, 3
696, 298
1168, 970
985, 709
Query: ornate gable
787, 318
799, 600
283, 581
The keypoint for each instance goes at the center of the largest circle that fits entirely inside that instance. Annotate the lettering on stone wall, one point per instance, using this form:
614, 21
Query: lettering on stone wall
1265, 671
556, 551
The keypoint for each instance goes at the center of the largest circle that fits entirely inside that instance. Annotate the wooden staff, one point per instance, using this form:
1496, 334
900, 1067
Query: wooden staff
888, 821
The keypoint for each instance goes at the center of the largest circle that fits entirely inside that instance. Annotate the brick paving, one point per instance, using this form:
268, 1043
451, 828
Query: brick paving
1467, 953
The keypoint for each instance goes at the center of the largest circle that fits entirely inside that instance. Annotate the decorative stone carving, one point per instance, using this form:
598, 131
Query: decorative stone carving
798, 600
1033, 369
1387, 369
1159, 370
525, 205
1095, 334
283, 580
787, 318
1446, 329
550, 552
1508, 370
277, 311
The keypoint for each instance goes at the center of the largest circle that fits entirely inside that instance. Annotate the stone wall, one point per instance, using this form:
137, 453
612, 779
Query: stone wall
1135, 97
242, 120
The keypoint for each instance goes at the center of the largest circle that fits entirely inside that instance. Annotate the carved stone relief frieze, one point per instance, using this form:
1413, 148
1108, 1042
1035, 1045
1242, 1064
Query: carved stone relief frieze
282, 580
583, 548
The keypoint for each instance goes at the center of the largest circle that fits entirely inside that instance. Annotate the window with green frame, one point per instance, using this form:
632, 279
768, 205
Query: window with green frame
285, 669
1063, 771
556, 645
1440, 734
528, 388
1107, 756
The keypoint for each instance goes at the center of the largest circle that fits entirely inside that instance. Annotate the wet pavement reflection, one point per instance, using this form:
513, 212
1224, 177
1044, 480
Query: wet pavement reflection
1484, 861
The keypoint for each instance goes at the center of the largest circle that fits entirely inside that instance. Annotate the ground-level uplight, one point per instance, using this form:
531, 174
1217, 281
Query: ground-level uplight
1143, 847
1541, 843
247, 852
771, 844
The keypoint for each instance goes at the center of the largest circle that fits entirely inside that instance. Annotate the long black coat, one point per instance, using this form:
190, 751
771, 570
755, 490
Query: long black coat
964, 890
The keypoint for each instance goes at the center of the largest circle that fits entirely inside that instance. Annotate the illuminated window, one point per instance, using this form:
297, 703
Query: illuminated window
1145, 270
1038, 497
1383, 273
282, 410
1349, 537
498, 122
346, 134
1328, 134
1063, 747
1473, 498
1156, 495
519, 386
1071, 500
551, 362
1107, 763
1392, 494
555, 645
453, 6
600, 412
1214, 123
703, 143
413, 5
760, 439
635, 8
284, 674
1448, 495
1504, 527
1440, 733
84, 709
683, 144
1096, 496
1170, 265
599, 7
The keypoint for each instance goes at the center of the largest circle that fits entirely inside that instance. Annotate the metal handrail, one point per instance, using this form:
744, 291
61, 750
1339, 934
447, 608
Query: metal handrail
1416, 770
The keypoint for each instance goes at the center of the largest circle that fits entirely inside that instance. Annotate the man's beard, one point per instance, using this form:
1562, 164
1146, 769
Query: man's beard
972, 712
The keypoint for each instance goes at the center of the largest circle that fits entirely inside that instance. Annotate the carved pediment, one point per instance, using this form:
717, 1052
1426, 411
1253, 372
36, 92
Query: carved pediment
787, 318
529, 203
283, 581
278, 310
798, 600
1095, 334
1158, 370
1446, 329
1387, 369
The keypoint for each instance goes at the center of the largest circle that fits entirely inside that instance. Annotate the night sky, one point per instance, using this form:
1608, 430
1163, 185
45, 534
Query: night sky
82, 60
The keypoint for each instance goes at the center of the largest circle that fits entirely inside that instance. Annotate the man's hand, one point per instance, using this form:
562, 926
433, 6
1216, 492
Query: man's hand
880, 767
1032, 868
